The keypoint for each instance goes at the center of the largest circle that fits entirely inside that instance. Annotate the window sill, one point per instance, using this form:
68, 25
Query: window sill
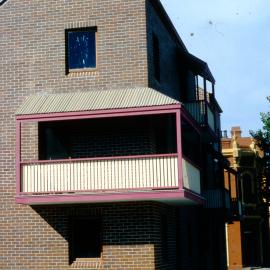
87, 263
82, 72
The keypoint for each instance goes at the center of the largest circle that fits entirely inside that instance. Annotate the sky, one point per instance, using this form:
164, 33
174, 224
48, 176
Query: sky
233, 37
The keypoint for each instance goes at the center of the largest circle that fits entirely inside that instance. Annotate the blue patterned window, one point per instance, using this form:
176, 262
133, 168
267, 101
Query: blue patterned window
81, 48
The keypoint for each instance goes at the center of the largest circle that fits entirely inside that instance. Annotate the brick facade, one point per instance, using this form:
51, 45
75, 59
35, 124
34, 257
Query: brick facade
33, 61
32, 54
131, 237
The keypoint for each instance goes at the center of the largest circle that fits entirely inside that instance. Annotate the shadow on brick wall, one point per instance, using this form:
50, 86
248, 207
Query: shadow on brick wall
134, 231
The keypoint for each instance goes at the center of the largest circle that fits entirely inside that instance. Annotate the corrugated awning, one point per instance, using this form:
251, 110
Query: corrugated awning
94, 100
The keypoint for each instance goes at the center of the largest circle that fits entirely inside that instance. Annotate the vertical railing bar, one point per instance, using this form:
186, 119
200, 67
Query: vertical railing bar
150, 173
100, 173
87, 164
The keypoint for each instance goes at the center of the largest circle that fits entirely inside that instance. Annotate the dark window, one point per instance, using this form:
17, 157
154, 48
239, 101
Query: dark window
247, 185
156, 57
81, 48
85, 238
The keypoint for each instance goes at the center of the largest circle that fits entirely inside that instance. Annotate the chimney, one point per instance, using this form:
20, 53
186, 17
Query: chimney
236, 132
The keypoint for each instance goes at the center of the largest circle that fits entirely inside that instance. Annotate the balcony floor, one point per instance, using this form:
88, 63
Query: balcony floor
177, 197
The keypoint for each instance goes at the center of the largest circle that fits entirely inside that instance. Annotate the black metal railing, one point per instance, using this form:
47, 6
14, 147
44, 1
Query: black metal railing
202, 112
217, 198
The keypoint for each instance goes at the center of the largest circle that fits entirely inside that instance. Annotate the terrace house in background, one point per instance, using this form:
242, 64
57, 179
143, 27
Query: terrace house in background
248, 233
117, 161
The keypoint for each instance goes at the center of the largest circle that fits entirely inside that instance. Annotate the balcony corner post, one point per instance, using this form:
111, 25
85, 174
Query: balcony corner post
179, 149
18, 157
205, 102
213, 89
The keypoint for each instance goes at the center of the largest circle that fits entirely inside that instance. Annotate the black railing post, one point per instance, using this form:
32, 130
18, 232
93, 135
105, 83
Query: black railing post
205, 102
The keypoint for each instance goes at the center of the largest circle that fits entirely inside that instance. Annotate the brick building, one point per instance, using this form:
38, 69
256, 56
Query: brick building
248, 234
110, 149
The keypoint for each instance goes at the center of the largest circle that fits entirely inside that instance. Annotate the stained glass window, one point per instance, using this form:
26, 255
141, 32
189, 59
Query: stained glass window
81, 48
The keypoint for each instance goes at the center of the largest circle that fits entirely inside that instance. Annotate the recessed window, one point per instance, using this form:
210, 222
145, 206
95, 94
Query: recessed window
85, 239
156, 57
81, 48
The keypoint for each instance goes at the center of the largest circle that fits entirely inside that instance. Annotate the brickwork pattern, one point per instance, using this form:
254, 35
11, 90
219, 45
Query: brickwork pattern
122, 143
29, 141
32, 60
131, 237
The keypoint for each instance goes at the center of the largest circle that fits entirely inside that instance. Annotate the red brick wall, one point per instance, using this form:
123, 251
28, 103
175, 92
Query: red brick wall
29, 141
131, 237
32, 60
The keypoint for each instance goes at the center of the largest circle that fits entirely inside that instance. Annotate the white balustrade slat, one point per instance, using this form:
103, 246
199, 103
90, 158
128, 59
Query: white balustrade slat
91, 175
160, 171
141, 169
71, 183
65, 176
24, 177
57, 184
30, 185
44, 177
51, 175
146, 173
95, 175
28, 179
74, 176
56, 177
176, 173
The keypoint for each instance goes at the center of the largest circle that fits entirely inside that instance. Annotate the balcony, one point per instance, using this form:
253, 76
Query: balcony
116, 156
142, 173
201, 111
205, 111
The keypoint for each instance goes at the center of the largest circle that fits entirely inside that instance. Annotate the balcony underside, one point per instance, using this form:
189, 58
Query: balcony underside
177, 197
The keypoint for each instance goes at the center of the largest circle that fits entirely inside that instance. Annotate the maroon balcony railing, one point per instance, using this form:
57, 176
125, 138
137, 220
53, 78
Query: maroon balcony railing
96, 174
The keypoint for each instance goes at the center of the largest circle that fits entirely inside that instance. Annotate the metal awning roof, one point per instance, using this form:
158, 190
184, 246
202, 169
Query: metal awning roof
94, 100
